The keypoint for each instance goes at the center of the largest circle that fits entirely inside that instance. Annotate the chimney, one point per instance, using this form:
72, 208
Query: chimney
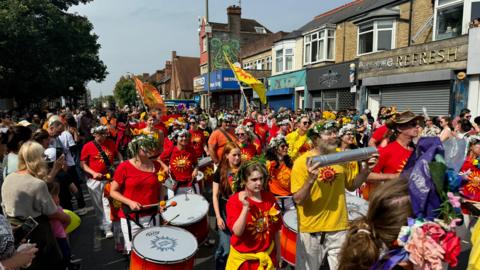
234, 19
174, 55
168, 68
145, 76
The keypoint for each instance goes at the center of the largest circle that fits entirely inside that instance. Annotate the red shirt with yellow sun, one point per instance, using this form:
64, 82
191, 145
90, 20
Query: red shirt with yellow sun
92, 157
261, 130
248, 151
263, 221
471, 188
197, 139
182, 163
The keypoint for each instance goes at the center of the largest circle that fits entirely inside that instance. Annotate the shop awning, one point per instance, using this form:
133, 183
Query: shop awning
280, 92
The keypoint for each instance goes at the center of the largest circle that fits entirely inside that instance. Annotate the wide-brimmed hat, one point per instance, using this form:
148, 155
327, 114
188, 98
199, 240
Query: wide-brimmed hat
405, 117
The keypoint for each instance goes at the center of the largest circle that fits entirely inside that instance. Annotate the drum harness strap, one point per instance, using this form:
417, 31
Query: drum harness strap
127, 211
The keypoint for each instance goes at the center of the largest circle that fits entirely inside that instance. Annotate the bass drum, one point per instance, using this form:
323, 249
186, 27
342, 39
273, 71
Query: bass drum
163, 248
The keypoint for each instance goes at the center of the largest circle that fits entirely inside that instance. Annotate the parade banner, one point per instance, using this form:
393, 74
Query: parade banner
149, 94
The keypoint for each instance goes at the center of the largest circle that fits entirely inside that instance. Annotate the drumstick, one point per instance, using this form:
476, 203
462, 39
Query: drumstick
168, 222
173, 204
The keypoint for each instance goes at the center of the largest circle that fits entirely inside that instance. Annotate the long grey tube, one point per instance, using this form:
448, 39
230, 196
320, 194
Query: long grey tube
342, 157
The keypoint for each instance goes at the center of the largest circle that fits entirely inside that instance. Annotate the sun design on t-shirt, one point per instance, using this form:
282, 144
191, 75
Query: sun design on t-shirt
402, 165
261, 221
181, 163
472, 188
327, 174
196, 138
246, 156
99, 157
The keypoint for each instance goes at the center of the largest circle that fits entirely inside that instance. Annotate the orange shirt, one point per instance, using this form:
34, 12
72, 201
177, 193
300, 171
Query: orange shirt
279, 182
218, 140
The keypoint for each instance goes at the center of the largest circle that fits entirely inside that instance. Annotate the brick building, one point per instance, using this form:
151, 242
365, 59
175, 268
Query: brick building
227, 38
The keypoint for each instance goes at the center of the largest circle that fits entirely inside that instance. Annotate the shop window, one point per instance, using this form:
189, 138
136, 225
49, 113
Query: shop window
448, 19
319, 46
376, 36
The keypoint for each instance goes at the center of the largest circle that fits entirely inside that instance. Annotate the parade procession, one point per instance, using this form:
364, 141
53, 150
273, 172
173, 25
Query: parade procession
299, 135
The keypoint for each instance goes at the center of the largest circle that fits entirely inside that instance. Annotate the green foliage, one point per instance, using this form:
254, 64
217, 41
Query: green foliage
44, 50
124, 92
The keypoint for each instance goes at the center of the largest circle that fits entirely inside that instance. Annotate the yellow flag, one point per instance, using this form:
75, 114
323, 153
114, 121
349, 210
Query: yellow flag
248, 79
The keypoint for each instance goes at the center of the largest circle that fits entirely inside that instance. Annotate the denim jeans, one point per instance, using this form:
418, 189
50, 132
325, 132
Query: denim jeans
223, 249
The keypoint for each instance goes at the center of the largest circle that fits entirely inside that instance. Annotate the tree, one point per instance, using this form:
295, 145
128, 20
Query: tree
45, 51
125, 92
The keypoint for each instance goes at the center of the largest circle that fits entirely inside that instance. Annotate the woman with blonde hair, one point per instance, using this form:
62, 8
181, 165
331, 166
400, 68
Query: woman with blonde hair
25, 194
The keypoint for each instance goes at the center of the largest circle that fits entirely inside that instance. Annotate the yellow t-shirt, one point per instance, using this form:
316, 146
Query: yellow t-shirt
325, 210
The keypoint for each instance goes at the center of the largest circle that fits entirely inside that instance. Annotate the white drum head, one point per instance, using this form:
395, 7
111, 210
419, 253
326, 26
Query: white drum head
190, 208
200, 176
290, 219
356, 206
165, 244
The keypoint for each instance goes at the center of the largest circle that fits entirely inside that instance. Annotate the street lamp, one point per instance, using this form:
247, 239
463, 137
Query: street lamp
70, 88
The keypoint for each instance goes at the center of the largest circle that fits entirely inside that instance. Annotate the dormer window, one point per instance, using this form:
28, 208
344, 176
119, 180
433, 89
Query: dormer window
260, 30
319, 46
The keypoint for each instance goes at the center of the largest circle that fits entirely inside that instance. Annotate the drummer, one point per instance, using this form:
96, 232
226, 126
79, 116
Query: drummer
322, 219
197, 138
279, 166
255, 220
135, 184
183, 162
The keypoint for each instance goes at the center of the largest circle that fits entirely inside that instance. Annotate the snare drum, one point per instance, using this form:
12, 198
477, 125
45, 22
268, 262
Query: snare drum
190, 213
288, 236
163, 248
356, 206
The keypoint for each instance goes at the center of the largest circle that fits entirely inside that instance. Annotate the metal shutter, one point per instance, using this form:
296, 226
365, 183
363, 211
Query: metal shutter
276, 102
436, 98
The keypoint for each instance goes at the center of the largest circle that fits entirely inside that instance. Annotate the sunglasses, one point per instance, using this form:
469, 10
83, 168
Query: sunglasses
468, 116
283, 146
306, 123
249, 126
241, 134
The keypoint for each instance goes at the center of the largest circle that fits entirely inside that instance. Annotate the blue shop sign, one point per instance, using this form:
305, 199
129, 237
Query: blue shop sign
219, 79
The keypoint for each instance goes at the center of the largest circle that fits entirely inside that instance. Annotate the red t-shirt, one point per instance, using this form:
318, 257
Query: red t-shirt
261, 130
379, 134
167, 150
142, 187
92, 157
262, 224
248, 151
392, 158
273, 132
182, 163
197, 139
161, 126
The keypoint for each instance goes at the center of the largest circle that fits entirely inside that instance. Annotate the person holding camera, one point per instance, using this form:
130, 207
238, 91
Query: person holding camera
26, 197
11, 258
96, 160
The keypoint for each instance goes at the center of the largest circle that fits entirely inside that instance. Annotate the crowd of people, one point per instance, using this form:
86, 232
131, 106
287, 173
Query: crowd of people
252, 168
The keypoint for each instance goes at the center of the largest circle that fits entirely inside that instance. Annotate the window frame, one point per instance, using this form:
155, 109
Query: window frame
375, 31
314, 37
284, 46
467, 6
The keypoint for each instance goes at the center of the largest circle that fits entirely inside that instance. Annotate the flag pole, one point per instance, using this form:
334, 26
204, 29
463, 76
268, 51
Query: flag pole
249, 109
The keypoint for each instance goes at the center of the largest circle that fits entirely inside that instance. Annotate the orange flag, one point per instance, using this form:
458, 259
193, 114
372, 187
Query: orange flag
138, 86
152, 97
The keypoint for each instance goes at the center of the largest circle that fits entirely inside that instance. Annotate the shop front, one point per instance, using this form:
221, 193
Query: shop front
286, 90
330, 87
422, 76
224, 90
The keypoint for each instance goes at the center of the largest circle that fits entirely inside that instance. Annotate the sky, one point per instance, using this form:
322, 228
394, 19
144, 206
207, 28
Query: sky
138, 36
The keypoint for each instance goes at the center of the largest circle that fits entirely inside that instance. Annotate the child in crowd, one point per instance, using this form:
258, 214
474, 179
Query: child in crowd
58, 229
